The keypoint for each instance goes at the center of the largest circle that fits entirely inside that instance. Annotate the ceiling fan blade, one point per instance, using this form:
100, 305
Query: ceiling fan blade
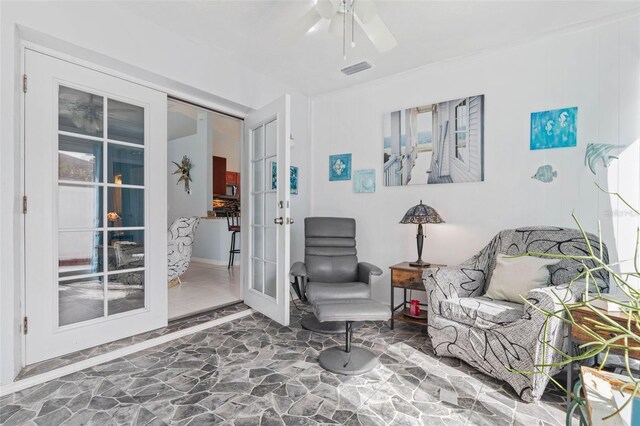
304, 24
365, 10
327, 8
378, 33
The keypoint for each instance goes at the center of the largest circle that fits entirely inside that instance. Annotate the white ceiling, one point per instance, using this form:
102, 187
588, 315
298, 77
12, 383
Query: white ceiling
249, 32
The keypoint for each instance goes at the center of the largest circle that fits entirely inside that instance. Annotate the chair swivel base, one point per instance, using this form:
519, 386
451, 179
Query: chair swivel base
358, 361
311, 323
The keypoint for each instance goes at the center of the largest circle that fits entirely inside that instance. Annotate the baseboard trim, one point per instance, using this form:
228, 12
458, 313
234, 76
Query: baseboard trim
213, 261
101, 359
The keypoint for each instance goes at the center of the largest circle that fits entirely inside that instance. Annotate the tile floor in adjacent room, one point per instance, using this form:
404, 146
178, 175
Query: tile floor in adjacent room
204, 287
253, 371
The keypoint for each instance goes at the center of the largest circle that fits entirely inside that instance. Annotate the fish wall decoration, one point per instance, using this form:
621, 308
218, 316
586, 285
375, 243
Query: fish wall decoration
184, 170
598, 151
545, 174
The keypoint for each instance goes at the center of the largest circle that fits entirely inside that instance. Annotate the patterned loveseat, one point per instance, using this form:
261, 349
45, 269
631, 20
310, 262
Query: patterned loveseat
496, 337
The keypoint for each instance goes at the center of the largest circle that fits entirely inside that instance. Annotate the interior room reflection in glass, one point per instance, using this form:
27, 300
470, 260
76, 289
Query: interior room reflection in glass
80, 299
79, 253
125, 122
125, 165
80, 112
128, 206
125, 292
126, 249
79, 159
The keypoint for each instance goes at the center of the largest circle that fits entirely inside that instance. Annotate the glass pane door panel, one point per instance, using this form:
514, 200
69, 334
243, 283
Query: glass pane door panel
80, 299
257, 267
271, 138
258, 176
127, 204
258, 145
79, 253
125, 292
125, 165
258, 241
80, 112
258, 212
79, 159
79, 206
271, 244
270, 282
126, 250
270, 207
125, 122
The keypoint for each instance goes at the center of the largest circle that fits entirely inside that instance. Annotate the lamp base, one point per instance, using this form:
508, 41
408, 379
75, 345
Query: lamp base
420, 264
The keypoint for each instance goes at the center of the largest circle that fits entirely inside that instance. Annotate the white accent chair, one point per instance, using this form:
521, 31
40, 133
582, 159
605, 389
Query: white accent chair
181, 235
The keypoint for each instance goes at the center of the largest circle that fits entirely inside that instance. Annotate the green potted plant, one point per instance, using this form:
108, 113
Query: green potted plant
604, 334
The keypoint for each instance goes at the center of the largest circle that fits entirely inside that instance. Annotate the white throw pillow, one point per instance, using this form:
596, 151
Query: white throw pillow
515, 276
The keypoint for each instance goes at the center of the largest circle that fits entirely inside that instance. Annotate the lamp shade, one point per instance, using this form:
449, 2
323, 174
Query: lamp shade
421, 213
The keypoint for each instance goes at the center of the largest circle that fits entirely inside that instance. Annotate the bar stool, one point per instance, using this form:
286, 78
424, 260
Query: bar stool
233, 224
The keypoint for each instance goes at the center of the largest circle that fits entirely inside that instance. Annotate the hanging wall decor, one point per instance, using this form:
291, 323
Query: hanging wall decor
340, 167
556, 128
293, 178
434, 143
274, 175
364, 181
545, 174
598, 151
184, 169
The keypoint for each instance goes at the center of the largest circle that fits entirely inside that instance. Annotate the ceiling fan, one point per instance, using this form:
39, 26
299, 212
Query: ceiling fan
342, 13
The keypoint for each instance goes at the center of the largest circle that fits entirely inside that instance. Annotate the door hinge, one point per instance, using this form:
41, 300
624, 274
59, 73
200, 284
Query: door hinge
24, 204
25, 325
24, 83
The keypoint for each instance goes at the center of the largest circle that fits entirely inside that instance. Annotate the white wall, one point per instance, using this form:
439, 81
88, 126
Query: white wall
225, 140
179, 202
213, 241
100, 33
597, 70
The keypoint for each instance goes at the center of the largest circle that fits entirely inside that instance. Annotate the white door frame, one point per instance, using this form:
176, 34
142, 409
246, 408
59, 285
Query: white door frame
46, 339
23, 45
277, 308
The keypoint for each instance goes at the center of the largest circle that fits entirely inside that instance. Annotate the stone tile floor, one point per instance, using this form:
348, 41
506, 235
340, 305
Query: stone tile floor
253, 371
179, 324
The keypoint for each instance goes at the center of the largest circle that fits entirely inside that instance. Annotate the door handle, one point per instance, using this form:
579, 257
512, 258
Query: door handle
289, 221
278, 221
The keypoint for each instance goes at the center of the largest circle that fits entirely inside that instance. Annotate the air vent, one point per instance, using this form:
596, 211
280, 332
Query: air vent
356, 68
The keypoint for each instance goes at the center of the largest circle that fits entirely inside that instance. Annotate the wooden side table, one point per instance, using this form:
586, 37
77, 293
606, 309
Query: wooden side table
407, 277
583, 316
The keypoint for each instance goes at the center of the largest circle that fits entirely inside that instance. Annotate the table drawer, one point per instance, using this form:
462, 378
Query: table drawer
409, 279
584, 318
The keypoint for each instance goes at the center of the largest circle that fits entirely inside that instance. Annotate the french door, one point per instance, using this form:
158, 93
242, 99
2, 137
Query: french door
95, 162
266, 199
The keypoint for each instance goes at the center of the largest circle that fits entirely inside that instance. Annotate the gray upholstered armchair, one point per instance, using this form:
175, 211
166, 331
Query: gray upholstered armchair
494, 336
331, 269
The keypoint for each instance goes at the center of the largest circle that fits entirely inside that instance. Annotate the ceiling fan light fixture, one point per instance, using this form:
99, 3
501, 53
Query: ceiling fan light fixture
359, 12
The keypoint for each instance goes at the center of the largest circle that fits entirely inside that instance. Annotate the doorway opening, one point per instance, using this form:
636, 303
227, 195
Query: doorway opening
203, 182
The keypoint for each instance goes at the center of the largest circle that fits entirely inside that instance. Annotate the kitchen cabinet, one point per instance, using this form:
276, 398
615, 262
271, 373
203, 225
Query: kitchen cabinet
232, 178
219, 175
